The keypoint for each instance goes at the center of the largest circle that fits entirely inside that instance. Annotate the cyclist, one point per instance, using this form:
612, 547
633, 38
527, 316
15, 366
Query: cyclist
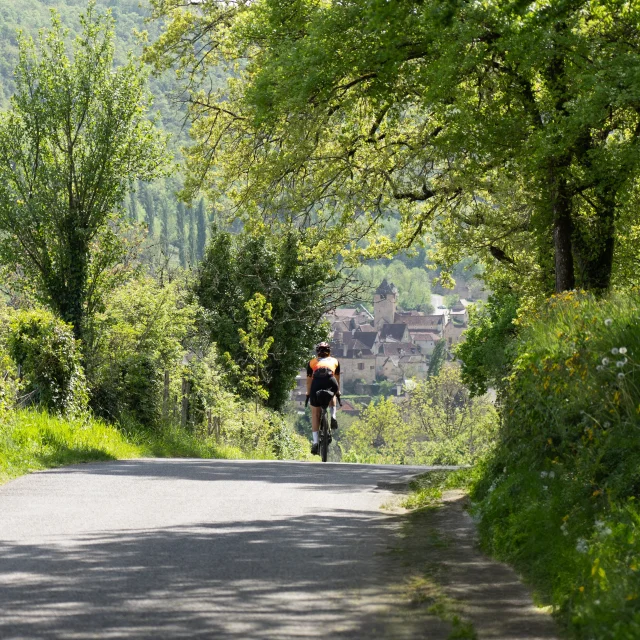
323, 372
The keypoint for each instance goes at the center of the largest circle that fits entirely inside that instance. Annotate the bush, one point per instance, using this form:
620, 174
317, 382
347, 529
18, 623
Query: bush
558, 498
140, 335
45, 350
488, 350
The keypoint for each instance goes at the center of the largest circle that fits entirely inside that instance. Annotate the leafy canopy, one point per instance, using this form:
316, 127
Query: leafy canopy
511, 127
74, 137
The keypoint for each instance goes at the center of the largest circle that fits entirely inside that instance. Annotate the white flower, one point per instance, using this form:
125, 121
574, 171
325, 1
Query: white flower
582, 546
621, 376
552, 474
564, 529
543, 474
607, 424
608, 322
599, 367
622, 350
596, 602
545, 488
504, 470
614, 351
605, 361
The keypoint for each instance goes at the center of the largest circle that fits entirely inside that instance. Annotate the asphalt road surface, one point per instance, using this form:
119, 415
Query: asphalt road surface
196, 549
241, 550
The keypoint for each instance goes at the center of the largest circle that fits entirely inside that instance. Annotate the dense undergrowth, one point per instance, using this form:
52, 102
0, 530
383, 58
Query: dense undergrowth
558, 498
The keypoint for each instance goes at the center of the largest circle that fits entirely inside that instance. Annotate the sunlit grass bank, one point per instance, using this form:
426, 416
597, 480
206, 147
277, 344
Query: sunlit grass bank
32, 440
559, 497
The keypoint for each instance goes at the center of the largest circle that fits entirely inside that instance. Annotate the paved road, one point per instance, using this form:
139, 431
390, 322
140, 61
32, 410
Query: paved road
199, 549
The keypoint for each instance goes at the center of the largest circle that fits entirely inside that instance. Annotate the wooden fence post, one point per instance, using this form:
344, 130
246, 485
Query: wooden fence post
186, 387
165, 397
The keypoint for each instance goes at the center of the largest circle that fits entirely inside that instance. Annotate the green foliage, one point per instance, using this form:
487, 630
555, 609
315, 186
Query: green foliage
558, 498
488, 350
298, 283
512, 127
438, 423
255, 345
9, 384
48, 355
75, 136
139, 335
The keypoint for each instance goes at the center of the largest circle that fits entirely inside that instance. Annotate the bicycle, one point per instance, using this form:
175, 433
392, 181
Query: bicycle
324, 433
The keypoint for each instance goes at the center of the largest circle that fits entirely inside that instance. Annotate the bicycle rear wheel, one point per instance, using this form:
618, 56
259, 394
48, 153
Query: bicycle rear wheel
324, 437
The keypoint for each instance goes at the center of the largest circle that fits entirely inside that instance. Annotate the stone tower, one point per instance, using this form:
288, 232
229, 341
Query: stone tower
384, 304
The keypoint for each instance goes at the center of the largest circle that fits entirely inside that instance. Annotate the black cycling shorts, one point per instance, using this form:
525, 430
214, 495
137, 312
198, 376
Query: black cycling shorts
321, 383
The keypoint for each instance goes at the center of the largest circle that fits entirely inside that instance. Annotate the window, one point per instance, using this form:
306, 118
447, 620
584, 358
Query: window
372, 367
360, 366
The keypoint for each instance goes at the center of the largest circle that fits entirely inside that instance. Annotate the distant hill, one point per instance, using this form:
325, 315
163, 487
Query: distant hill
129, 15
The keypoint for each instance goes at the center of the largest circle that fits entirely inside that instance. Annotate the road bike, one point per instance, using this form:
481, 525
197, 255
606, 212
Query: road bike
324, 432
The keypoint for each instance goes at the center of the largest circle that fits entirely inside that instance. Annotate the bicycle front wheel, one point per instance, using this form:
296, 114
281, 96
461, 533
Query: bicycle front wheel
324, 437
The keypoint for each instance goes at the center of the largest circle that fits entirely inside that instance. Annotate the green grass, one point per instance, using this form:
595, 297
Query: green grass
32, 440
426, 490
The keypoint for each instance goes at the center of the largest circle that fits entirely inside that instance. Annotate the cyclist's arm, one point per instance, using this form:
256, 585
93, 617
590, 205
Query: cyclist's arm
309, 378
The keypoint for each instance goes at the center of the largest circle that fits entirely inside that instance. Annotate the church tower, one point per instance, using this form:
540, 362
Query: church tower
384, 304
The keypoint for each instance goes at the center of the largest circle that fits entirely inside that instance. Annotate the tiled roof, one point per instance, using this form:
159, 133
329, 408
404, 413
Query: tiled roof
425, 335
420, 322
393, 331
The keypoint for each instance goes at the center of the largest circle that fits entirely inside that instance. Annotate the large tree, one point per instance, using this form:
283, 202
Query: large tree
74, 138
513, 126
300, 286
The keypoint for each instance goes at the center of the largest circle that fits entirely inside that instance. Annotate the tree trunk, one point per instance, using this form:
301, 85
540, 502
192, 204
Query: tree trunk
562, 235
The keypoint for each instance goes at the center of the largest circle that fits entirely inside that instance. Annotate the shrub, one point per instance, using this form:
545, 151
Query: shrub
558, 498
48, 355
487, 353
139, 336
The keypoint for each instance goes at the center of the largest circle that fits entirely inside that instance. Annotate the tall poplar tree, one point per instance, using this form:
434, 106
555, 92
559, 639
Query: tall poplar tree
201, 224
180, 238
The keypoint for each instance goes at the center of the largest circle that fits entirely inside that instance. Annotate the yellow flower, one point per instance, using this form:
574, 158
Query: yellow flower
581, 589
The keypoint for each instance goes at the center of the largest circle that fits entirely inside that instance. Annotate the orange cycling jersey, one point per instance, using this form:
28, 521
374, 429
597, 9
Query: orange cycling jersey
329, 363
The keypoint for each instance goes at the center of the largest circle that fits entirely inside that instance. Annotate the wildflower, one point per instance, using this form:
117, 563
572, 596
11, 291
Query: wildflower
614, 351
596, 602
545, 488
582, 547
608, 322
564, 529
543, 474
621, 376
606, 425
605, 361
552, 474
621, 363
599, 367
622, 350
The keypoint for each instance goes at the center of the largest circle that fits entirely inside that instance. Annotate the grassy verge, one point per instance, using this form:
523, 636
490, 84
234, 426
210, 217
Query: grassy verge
558, 498
426, 490
32, 440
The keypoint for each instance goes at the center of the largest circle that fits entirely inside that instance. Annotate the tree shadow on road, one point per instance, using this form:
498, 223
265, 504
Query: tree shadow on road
315, 576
